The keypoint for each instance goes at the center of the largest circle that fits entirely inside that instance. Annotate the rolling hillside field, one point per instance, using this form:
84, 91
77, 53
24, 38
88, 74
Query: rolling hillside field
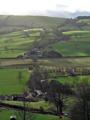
18, 43
77, 45
15, 43
43, 31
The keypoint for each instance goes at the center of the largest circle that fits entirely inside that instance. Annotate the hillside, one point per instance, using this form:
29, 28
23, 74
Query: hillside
78, 44
15, 23
17, 43
21, 35
37, 50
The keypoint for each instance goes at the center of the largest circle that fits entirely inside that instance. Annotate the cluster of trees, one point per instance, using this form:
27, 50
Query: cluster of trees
80, 110
56, 93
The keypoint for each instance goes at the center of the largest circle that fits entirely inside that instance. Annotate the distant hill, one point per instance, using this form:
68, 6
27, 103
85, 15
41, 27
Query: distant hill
22, 35
15, 23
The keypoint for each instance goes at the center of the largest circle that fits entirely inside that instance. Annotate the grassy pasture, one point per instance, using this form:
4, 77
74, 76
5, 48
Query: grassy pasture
17, 43
73, 48
76, 32
46, 105
73, 80
10, 82
78, 45
14, 44
6, 113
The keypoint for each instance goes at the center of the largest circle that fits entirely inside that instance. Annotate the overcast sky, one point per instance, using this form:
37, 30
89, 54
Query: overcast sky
17, 7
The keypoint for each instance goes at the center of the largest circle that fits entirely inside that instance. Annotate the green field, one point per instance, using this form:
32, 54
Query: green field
72, 80
17, 43
6, 113
35, 116
77, 45
10, 82
46, 105
14, 44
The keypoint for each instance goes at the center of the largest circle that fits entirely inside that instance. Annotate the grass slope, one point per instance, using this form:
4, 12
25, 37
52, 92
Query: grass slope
16, 43
6, 113
73, 80
15, 23
10, 82
78, 45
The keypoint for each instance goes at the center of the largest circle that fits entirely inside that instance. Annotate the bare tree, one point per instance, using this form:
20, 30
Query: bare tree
56, 93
